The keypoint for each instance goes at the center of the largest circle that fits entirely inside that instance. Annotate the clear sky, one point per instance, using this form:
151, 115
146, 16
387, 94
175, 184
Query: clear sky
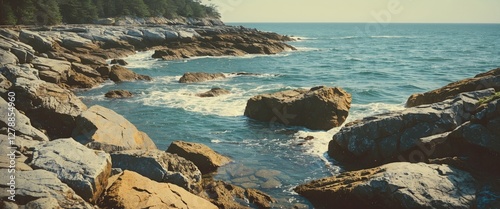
420, 11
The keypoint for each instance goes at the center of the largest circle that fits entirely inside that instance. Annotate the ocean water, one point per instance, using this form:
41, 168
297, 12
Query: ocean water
380, 68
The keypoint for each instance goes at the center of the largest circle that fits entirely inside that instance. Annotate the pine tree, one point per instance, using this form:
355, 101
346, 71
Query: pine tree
7, 16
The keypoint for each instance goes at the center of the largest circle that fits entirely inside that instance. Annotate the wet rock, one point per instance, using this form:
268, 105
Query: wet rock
119, 62
42, 188
320, 108
103, 129
200, 77
120, 74
490, 79
214, 92
160, 166
132, 190
118, 94
86, 171
48, 105
206, 159
395, 185
394, 136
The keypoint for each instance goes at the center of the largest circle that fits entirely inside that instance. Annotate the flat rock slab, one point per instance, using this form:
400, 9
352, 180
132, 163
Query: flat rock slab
395, 185
160, 166
104, 129
200, 77
41, 189
206, 159
131, 190
86, 171
319, 108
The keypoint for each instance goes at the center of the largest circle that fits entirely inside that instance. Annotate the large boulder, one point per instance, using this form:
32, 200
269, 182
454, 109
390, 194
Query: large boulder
53, 71
7, 57
226, 195
160, 166
394, 186
48, 106
206, 159
86, 171
13, 72
104, 129
22, 123
119, 62
319, 108
120, 74
414, 134
131, 190
490, 79
40, 189
38, 42
200, 77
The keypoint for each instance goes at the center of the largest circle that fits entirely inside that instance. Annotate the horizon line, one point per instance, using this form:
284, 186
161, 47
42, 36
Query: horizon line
492, 23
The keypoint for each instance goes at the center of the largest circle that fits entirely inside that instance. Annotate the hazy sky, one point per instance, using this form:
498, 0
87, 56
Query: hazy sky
433, 11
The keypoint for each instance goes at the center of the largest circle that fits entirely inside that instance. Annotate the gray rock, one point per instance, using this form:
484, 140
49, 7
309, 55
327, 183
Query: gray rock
171, 34
53, 71
160, 166
135, 33
48, 105
200, 77
35, 40
85, 70
320, 108
13, 72
7, 57
389, 137
214, 92
5, 84
24, 56
12, 158
8, 33
395, 185
74, 42
22, 123
86, 171
153, 36
104, 129
38, 185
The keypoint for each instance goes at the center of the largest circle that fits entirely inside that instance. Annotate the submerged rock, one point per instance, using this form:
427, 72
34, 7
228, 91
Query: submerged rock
490, 79
206, 159
103, 129
160, 166
395, 185
86, 171
319, 108
214, 92
118, 94
200, 77
132, 190
119, 61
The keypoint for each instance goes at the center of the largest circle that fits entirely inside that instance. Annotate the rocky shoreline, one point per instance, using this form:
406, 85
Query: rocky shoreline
68, 155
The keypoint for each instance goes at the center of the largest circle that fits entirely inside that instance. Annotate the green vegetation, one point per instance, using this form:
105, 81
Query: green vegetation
489, 99
50, 12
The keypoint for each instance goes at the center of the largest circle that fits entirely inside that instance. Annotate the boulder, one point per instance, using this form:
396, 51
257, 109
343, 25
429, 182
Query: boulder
396, 185
12, 158
86, 171
91, 60
85, 70
103, 129
154, 37
490, 79
118, 94
23, 125
5, 84
77, 42
7, 57
160, 166
104, 70
414, 134
53, 71
120, 74
319, 108
42, 189
132, 190
64, 56
49, 106
226, 195
24, 55
8, 33
206, 159
200, 77
79, 80
38, 42
119, 62
214, 92
13, 72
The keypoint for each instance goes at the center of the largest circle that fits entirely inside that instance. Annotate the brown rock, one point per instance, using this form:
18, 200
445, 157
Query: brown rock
319, 108
201, 155
79, 80
118, 94
119, 62
490, 79
229, 196
200, 77
132, 190
120, 74
214, 92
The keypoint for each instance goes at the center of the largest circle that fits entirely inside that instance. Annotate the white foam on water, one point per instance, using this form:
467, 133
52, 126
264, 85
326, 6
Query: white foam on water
307, 49
392, 37
141, 60
301, 38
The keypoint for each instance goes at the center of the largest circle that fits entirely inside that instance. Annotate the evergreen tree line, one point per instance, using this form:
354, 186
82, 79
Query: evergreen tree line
50, 12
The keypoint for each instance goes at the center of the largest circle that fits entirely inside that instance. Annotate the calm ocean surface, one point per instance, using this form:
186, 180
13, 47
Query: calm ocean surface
380, 68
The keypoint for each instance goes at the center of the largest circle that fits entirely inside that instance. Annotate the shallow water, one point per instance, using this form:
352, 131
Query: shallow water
380, 70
